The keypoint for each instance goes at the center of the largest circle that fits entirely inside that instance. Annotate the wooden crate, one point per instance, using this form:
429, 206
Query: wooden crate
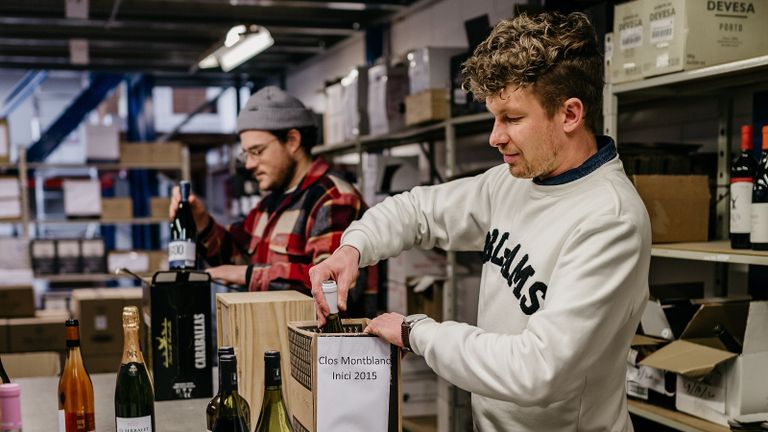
255, 322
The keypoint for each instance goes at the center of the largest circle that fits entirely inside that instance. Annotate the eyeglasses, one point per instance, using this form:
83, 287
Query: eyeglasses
254, 152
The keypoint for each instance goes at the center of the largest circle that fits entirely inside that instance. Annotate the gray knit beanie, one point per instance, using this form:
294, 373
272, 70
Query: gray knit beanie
273, 109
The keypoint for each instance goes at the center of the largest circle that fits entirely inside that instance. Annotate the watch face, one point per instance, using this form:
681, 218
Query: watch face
410, 319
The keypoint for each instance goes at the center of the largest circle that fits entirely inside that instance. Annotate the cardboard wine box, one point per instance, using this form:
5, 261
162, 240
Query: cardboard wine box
255, 322
182, 348
17, 301
94, 255
68, 256
43, 254
350, 378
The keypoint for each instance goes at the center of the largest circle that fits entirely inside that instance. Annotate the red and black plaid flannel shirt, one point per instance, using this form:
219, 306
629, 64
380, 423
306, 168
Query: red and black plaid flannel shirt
284, 239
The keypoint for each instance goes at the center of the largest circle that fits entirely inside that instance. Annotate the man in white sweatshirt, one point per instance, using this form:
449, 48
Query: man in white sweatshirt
564, 235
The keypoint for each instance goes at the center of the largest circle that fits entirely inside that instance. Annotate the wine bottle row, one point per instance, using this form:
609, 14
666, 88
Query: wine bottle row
749, 194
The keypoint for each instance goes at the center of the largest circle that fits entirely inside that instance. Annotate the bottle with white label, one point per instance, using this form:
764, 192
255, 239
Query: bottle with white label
182, 248
759, 230
742, 173
134, 397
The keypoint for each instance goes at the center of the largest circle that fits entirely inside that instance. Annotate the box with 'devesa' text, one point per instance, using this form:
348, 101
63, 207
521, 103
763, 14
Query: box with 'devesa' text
350, 378
181, 337
690, 34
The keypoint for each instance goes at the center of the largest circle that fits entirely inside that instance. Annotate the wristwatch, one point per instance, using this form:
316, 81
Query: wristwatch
405, 329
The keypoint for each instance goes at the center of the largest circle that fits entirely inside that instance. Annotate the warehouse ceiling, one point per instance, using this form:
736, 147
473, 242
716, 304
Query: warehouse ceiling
167, 38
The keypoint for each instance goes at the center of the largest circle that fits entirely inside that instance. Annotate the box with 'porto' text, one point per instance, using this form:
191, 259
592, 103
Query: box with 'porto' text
181, 336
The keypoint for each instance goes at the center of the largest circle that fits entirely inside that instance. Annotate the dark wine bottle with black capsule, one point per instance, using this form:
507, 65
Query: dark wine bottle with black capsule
332, 321
3, 374
230, 417
274, 415
212, 410
134, 396
727, 339
742, 174
182, 248
759, 224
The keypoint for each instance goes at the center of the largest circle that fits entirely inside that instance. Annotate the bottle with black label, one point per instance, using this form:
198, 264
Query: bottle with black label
742, 173
182, 248
273, 416
230, 417
212, 410
759, 230
134, 397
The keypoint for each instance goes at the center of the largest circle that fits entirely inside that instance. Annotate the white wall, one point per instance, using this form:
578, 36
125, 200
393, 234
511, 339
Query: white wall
440, 23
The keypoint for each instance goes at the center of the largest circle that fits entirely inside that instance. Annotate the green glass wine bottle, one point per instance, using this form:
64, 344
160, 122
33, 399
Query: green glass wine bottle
134, 397
332, 321
212, 410
230, 417
273, 416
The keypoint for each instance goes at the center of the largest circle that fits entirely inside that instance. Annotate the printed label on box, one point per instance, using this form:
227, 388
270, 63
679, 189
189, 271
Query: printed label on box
631, 38
353, 379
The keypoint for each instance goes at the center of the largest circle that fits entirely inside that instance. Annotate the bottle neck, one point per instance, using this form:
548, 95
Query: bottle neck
131, 346
272, 375
184, 189
227, 378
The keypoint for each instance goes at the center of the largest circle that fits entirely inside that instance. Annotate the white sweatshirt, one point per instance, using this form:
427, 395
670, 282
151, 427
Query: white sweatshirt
563, 286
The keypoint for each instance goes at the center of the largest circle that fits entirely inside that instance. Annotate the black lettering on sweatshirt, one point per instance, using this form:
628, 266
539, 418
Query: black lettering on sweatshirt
520, 272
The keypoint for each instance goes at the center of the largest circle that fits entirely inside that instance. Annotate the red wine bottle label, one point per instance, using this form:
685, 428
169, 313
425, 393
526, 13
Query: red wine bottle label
741, 213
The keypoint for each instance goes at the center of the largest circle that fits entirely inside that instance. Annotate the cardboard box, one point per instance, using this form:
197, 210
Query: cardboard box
5, 141
100, 311
158, 260
351, 378
102, 142
256, 322
677, 205
68, 256
182, 349
629, 27
333, 118
9, 187
82, 198
159, 207
429, 68
716, 384
116, 208
44, 332
15, 253
103, 363
43, 253
647, 383
10, 209
142, 153
690, 34
135, 261
387, 88
94, 255
17, 301
426, 297
34, 364
426, 106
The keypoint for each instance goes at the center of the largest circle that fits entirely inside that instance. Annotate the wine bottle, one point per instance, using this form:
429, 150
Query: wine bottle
10, 408
75, 387
759, 230
273, 416
182, 248
332, 321
726, 338
230, 417
134, 397
742, 172
212, 410
3, 374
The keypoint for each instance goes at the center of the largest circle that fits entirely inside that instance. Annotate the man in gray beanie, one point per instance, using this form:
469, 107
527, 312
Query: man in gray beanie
299, 223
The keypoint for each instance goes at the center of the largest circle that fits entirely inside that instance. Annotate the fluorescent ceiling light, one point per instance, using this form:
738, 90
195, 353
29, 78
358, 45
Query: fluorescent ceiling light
241, 44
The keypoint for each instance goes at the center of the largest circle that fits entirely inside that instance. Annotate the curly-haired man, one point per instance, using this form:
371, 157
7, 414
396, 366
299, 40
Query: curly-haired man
565, 241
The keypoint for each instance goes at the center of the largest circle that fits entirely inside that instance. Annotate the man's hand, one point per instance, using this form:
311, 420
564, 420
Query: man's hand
231, 274
388, 327
199, 213
342, 267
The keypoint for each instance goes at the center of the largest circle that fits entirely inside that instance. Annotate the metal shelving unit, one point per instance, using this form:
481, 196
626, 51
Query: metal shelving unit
127, 221
721, 82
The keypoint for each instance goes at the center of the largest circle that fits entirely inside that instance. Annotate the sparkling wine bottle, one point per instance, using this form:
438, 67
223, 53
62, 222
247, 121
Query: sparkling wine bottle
134, 397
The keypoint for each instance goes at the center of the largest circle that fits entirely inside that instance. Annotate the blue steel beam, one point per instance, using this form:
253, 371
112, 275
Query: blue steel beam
21, 91
100, 86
